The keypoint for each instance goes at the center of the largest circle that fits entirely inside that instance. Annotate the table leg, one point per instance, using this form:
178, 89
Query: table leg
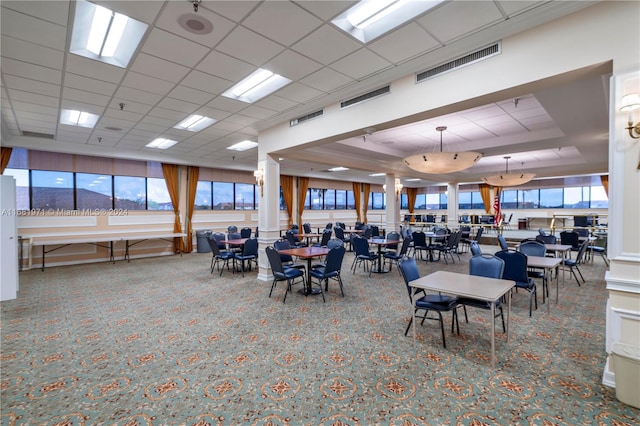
493, 334
508, 312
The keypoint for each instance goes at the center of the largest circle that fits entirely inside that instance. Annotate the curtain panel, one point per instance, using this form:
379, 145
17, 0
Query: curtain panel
192, 179
605, 183
366, 190
303, 185
357, 199
485, 193
412, 194
170, 172
287, 193
5, 155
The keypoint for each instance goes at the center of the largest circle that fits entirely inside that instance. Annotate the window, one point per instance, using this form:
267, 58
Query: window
351, 201
130, 192
443, 201
93, 191
529, 199
433, 201
404, 201
341, 200
222, 196
421, 202
52, 190
22, 186
314, 199
204, 196
476, 200
599, 198
464, 200
550, 198
244, 196
509, 199
158, 195
329, 199
576, 197
377, 201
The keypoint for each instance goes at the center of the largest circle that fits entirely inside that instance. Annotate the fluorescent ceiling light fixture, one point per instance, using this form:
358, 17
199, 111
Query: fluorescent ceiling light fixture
377, 174
243, 146
78, 118
256, 86
412, 180
370, 19
104, 35
195, 123
161, 143
338, 169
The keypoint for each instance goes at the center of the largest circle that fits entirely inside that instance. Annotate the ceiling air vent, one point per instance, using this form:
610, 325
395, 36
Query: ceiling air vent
476, 56
304, 118
38, 135
365, 97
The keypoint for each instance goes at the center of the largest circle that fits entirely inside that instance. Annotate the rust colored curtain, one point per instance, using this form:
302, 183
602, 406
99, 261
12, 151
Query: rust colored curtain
485, 193
170, 173
605, 183
191, 201
357, 198
5, 155
366, 190
287, 193
303, 185
412, 194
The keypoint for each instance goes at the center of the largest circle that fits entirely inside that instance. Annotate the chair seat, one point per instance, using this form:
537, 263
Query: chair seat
436, 302
321, 274
530, 285
477, 303
289, 273
295, 265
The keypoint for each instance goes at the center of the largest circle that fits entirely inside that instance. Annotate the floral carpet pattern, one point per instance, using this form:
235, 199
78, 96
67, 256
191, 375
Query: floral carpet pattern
162, 341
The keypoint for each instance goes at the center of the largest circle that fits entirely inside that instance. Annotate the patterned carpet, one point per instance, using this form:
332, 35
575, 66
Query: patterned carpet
162, 341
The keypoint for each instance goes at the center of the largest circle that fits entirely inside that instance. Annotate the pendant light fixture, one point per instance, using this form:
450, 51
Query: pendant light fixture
442, 161
507, 179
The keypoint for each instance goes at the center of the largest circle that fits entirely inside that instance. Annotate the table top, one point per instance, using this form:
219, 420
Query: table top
305, 252
238, 241
558, 247
98, 238
543, 262
465, 285
383, 242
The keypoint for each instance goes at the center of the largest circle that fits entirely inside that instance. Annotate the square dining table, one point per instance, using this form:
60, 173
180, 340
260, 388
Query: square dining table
307, 253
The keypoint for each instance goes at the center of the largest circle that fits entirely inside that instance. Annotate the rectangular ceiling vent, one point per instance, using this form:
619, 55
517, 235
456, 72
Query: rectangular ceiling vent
365, 97
304, 118
37, 135
471, 58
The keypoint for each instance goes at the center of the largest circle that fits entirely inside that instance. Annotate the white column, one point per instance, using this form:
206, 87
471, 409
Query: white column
452, 205
393, 204
268, 213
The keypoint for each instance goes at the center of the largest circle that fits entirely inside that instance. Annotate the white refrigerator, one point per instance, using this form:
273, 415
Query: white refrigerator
8, 239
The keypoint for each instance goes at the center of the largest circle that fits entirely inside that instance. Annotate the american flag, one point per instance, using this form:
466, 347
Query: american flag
496, 208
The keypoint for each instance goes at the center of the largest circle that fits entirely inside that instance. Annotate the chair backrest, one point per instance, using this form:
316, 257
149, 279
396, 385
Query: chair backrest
359, 225
486, 265
409, 271
326, 236
582, 232
334, 259
245, 232
329, 226
250, 247
393, 236
546, 239
290, 236
375, 231
479, 234
219, 236
367, 232
214, 245
339, 232
307, 228
475, 248
335, 242
570, 238
515, 265
465, 231
406, 243
232, 228
234, 235
583, 249
542, 232
533, 248
419, 239
360, 246
340, 225
283, 245
274, 261
441, 231
502, 242
509, 220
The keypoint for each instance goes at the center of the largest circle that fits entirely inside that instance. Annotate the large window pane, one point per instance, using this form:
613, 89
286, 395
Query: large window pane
476, 200
443, 201
433, 201
576, 197
377, 201
551, 198
244, 196
404, 201
599, 198
256, 196
464, 200
130, 192
341, 200
204, 197
22, 186
52, 190
421, 202
509, 199
222, 196
158, 195
351, 201
529, 199
93, 191
329, 199
315, 198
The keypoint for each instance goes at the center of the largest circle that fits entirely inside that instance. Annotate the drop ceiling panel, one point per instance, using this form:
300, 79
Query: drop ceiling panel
292, 65
130, 107
360, 64
56, 12
89, 85
28, 28
173, 48
39, 109
404, 43
29, 85
31, 53
314, 46
34, 72
234, 10
468, 16
249, 46
326, 10
74, 95
299, 92
127, 94
188, 94
327, 80
33, 98
147, 83
276, 103
224, 66
514, 7
176, 11
159, 68
94, 69
283, 22
206, 82
178, 105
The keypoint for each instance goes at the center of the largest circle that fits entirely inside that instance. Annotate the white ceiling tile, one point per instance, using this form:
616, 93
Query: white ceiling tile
159, 68
316, 45
241, 119
34, 118
216, 114
249, 46
234, 10
147, 83
130, 94
228, 126
299, 92
404, 43
521, 114
326, 80
71, 94
173, 48
188, 94
28, 28
126, 114
34, 72
169, 114
468, 16
326, 10
88, 84
515, 7
32, 53
206, 82
360, 64
94, 69
224, 66
29, 85
292, 65
130, 107
276, 103
227, 104
56, 12
150, 128
33, 98
158, 121
178, 105
145, 11
40, 109
281, 21
176, 11
257, 112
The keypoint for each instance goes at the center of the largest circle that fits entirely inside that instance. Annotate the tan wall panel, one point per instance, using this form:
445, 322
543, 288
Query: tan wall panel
40, 160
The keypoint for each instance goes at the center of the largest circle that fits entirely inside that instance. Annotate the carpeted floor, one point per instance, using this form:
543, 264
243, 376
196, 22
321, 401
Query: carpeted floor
162, 341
